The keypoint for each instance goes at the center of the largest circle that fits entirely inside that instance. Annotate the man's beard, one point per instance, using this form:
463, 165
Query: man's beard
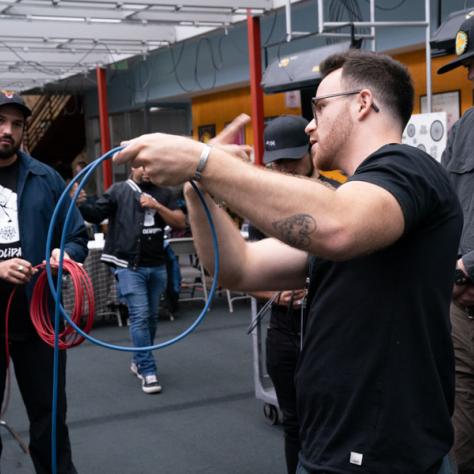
329, 151
7, 152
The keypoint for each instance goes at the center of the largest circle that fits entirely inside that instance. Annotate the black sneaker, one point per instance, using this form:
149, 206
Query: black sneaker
150, 384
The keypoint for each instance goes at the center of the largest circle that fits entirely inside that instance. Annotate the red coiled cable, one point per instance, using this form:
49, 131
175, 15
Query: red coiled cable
82, 314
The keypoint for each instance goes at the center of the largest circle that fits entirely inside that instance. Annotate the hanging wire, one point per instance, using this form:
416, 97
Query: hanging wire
394, 7
174, 71
201, 41
272, 29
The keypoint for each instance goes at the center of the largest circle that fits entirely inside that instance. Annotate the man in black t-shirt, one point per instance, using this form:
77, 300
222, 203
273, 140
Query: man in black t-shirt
375, 379
138, 212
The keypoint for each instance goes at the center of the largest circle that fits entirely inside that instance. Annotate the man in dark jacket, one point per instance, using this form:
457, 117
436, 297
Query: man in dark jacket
138, 211
459, 161
29, 191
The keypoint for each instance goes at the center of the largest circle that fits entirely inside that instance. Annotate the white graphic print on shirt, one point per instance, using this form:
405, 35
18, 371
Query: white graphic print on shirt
9, 231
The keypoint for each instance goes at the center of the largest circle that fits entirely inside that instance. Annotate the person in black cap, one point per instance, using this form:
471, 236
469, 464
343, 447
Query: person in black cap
458, 158
286, 150
29, 191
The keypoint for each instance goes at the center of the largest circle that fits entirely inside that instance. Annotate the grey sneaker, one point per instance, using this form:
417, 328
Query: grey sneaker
150, 384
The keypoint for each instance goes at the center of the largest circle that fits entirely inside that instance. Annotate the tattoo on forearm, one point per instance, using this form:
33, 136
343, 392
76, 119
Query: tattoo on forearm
296, 230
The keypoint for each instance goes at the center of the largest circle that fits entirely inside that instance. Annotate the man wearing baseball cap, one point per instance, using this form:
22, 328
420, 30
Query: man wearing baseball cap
458, 159
29, 191
287, 145
15, 100
286, 150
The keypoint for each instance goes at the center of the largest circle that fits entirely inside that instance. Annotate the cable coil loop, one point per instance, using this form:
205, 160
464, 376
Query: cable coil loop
82, 313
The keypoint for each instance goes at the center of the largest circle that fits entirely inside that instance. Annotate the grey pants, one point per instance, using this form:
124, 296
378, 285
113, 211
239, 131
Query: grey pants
463, 419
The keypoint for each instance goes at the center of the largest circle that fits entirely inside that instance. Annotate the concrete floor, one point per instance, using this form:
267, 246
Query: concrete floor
206, 420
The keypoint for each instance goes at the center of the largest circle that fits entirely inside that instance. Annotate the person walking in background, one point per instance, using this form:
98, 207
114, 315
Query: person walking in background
29, 191
138, 211
458, 159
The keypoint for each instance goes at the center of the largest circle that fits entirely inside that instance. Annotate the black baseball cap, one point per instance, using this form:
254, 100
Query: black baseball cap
285, 139
12, 98
464, 44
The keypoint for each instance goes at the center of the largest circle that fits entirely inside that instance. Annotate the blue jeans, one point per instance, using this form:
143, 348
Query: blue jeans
447, 467
142, 288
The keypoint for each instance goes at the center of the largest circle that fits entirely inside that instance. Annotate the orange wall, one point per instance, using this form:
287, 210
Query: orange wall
221, 107
450, 81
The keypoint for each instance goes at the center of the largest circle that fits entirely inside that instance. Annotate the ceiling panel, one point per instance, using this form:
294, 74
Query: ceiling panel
65, 37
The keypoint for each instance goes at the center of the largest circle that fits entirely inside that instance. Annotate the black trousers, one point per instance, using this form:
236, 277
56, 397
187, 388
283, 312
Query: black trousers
463, 418
33, 364
283, 349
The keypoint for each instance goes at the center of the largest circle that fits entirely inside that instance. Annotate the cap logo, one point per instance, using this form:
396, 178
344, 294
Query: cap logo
461, 42
270, 143
8, 94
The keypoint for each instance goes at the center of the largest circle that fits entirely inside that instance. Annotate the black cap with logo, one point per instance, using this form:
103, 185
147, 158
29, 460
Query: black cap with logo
464, 44
285, 139
12, 98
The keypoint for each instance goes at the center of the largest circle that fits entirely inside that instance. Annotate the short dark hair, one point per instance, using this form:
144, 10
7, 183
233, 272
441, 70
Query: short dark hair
389, 79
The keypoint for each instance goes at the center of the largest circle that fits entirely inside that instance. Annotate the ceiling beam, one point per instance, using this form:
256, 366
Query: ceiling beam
49, 29
59, 58
253, 4
125, 16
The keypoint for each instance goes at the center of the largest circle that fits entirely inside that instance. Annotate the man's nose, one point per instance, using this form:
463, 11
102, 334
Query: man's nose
312, 125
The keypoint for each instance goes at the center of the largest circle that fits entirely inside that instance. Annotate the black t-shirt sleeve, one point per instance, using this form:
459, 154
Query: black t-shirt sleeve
405, 179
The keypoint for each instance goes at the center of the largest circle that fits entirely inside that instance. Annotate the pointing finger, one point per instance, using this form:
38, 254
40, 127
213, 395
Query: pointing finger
232, 131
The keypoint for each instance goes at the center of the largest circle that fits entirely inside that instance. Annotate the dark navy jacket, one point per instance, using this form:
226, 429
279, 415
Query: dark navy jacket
39, 188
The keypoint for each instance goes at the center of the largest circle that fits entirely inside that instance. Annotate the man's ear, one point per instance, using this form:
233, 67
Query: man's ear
365, 99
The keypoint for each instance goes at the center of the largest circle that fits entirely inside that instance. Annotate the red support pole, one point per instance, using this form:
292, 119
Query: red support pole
104, 125
256, 93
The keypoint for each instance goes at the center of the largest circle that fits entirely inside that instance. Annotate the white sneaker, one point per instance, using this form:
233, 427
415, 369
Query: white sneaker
150, 384
134, 370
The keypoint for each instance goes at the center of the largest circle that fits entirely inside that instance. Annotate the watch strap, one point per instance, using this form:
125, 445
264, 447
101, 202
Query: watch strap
202, 162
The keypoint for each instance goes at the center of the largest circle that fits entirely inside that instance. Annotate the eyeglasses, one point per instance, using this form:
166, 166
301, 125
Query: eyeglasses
317, 110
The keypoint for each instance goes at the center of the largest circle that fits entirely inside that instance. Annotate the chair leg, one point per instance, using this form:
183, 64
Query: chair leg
21, 443
229, 301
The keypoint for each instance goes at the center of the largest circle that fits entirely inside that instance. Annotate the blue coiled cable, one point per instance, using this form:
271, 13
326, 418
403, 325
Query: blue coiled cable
82, 178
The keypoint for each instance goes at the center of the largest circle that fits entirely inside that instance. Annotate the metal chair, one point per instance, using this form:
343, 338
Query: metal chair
193, 276
3, 423
234, 296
